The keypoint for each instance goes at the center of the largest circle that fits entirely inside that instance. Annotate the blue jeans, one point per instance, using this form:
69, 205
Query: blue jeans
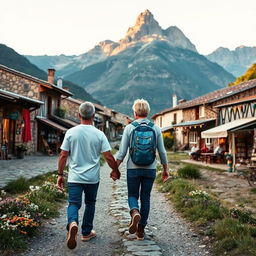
75, 191
140, 183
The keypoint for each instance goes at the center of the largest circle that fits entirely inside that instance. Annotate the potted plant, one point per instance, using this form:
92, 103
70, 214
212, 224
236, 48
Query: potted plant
20, 150
60, 112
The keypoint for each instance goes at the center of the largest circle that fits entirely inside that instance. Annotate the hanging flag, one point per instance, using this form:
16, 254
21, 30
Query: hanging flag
26, 133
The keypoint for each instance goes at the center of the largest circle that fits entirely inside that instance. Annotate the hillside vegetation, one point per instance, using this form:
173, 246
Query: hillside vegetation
249, 75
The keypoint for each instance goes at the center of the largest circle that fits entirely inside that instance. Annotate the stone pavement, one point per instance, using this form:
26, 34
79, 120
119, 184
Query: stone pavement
28, 167
119, 209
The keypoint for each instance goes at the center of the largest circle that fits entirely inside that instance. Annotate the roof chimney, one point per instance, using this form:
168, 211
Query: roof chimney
174, 100
51, 72
59, 82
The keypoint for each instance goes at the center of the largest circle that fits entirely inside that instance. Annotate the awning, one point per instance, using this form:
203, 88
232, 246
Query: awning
51, 123
193, 123
17, 98
167, 128
64, 122
222, 130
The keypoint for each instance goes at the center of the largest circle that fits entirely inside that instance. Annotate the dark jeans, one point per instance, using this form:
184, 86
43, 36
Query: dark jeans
75, 191
140, 183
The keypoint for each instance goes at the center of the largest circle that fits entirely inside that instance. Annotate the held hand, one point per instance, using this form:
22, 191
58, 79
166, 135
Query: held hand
165, 176
60, 182
115, 175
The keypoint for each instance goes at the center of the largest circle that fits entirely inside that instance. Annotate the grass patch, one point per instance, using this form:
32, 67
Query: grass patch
234, 237
189, 172
253, 190
233, 231
19, 185
176, 157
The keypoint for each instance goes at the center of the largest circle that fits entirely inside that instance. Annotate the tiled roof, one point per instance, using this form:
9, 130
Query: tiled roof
213, 96
245, 99
35, 79
219, 94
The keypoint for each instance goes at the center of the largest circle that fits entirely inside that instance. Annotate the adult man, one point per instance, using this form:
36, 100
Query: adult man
83, 144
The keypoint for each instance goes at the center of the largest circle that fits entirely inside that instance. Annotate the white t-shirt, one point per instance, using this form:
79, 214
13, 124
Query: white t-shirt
84, 143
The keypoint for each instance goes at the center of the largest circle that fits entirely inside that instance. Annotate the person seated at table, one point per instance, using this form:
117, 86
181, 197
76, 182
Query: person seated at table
204, 149
194, 153
219, 152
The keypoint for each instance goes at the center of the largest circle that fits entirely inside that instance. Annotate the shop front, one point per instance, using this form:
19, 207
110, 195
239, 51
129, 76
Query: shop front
239, 135
15, 121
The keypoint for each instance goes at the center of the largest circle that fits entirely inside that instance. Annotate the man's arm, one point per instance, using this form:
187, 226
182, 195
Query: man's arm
115, 174
61, 165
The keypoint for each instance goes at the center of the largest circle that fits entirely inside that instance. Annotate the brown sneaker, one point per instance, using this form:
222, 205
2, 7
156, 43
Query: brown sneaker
135, 218
88, 237
140, 232
71, 238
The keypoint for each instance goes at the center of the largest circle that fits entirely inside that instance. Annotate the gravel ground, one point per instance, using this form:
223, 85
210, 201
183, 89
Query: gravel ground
52, 237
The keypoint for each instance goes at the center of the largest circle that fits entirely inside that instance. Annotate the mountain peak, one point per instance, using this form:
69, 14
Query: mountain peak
145, 25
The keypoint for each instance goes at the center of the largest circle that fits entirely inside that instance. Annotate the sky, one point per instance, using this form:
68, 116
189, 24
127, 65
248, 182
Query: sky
72, 27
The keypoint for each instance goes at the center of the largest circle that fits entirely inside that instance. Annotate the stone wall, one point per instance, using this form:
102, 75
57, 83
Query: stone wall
71, 107
19, 85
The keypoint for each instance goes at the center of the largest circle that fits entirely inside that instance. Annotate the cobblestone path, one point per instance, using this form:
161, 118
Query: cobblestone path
28, 167
166, 233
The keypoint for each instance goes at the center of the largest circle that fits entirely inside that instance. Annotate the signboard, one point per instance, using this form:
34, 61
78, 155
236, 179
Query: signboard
14, 115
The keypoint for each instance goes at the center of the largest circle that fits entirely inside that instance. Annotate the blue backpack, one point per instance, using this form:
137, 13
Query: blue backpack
143, 143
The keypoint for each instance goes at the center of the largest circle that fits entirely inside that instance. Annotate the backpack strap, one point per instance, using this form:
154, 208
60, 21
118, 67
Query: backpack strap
135, 124
150, 124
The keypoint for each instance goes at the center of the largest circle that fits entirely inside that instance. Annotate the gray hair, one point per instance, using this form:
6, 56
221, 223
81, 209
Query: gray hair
141, 107
86, 110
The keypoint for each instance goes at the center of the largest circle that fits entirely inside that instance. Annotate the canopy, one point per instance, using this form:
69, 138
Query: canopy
166, 128
193, 123
222, 130
51, 123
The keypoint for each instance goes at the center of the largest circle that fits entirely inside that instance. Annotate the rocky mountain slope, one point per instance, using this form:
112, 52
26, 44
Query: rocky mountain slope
237, 61
145, 30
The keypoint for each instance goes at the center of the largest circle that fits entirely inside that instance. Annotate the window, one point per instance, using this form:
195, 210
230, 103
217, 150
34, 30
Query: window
192, 137
43, 108
201, 111
175, 118
208, 141
25, 87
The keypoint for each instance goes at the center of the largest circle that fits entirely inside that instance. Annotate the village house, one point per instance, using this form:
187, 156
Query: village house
44, 133
237, 125
44, 111
203, 113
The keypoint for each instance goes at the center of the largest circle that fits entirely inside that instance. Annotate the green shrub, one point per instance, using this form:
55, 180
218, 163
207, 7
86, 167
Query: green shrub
19, 185
168, 142
189, 171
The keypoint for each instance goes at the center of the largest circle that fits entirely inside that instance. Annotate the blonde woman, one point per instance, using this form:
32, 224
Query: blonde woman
140, 178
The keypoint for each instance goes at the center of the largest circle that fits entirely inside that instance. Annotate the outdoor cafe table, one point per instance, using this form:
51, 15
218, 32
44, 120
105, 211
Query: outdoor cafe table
207, 157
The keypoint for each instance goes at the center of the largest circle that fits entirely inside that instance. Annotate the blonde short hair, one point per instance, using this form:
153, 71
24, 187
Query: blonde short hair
141, 107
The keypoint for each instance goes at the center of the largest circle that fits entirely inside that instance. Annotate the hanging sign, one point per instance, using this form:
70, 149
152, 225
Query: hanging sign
14, 115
